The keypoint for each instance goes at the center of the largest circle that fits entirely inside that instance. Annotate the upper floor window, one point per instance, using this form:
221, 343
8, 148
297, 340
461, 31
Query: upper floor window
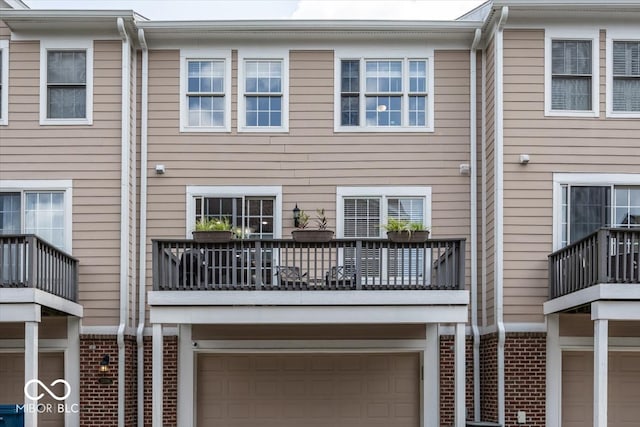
571, 74
626, 76
384, 94
66, 82
39, 209
263, 93
4, 81
205, 88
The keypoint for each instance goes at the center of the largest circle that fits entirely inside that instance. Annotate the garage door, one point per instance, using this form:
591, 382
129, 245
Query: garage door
51, 367
577, 389
346, 390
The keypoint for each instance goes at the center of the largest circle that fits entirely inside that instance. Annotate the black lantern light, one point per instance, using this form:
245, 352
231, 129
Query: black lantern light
296, 216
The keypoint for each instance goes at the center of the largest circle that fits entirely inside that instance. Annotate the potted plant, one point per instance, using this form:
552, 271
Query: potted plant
402, 231
311, 235
213, 230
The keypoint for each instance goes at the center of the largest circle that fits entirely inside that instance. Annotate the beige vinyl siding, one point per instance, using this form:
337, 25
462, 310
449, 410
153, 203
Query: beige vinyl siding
490, 179
555, 144
88, 155
311, 160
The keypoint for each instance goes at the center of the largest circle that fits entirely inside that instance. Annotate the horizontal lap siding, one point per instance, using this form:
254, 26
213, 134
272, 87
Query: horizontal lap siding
555, 144
88, 155
310, 160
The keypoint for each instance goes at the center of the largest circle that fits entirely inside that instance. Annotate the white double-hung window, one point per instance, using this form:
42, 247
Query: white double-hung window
384, 94
205, 100
66, 82
263, 91
571, 73
623, 73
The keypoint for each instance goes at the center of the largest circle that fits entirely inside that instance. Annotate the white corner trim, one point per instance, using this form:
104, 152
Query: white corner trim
383, 192
204, 54
4, 82
233, 191
569, 32
617, 34
404, 53
275, 54
54, 43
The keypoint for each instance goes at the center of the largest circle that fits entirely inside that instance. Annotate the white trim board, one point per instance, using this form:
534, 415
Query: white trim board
19, 296
4, 82
601, 292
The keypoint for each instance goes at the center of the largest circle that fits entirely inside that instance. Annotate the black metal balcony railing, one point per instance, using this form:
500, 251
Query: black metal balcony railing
609, 255
343, 264
27, 261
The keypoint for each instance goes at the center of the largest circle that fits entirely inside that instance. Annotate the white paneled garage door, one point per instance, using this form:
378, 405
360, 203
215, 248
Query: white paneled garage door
577, 389
50, 366
319, 390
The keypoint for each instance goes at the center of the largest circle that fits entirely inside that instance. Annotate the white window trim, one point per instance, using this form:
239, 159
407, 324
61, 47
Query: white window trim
384, 192
65, 185
617, 35
573, 33
66, 44
4, 99
560, 179
233, 191
362, 54
204, 54
275, 54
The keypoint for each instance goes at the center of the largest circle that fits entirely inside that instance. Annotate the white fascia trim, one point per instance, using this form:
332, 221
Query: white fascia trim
271, 53
605, 291
308, 346
615, 310
309, 315
384, 192
26, 312
405, 53
4, 72
570, 32
36, 296
204, 53
628, 33
306, 298
233, 191
66, 43
66, 185
560, 179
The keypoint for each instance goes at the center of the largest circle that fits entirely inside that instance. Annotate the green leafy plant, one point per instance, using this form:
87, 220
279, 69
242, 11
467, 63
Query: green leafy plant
214, 224
404, 225
321, 219
303, 220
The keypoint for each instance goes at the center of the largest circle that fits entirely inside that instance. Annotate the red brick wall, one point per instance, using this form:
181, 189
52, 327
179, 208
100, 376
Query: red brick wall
447, 379
170, 380
525, 377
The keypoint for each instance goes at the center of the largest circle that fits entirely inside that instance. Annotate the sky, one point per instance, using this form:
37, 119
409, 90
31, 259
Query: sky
274, 9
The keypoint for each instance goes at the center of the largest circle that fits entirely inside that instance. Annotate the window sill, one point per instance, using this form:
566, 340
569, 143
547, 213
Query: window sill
65, 122
399, 129
571, 113
262, 130
623, 115
205, 130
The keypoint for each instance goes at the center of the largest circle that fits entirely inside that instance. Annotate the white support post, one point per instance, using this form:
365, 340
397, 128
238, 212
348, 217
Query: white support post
31, 371
459, 375
554, 372
72, 371
185, 377
600, 371
431, 378
158, 373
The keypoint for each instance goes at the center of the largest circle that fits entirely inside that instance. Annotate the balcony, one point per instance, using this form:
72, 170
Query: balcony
607, 256
27, 261
281, 265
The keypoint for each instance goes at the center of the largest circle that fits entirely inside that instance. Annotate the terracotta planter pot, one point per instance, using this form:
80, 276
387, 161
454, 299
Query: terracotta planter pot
406, 237
312, 236
212, 236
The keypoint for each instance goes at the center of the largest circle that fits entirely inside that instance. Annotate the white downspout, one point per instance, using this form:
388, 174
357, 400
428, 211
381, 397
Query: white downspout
484, 189
499, 210
143, 226
124, 219
474, 224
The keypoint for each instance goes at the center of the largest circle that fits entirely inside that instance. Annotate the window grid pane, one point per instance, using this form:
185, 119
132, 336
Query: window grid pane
627, 207
44, 216
362, 217
263, 77
264, 111
384, 76
626, 76
206, 111
571, 87
384, 110
417, 76
66, 85
350, 90
9, 213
